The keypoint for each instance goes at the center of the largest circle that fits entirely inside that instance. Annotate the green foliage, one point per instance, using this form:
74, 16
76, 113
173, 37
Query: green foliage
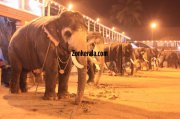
127, 13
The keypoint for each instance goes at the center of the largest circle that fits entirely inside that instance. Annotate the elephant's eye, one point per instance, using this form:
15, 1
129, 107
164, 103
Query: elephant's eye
68, 34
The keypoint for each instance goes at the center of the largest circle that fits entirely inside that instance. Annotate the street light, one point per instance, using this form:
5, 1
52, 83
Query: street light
70, 6
97, 20
153, 27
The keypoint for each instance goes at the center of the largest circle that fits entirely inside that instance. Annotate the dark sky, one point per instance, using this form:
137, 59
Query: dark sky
166, 12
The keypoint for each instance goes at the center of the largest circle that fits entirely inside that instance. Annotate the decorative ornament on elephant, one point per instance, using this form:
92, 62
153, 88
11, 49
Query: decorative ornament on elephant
96, 44
121, 54
47, 43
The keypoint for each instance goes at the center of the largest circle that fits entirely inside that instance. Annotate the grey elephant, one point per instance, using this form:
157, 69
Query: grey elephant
171, 57
95, 42
121, 55
47, 43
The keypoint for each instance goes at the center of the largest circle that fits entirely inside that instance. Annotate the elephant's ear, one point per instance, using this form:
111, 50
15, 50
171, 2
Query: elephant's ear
50, 28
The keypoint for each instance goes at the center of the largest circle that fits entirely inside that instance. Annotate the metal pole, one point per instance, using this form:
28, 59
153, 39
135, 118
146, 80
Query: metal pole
103, 32
94, 26
43, 8
99, 28
49, 9
153, 37
23, 4
88, 25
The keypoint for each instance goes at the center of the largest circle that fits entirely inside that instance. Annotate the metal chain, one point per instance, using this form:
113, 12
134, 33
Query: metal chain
59, 60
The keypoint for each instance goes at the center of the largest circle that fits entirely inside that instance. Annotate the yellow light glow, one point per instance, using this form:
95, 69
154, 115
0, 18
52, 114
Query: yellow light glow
123, 32
113, 28
70, 6
97, 20
153, 25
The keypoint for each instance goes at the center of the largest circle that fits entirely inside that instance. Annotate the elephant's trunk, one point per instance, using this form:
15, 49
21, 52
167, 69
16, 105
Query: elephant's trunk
132, 61
81, 78
98, 76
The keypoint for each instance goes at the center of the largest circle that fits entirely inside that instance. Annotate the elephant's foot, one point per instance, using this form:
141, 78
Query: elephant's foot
14, 88
24, 90
23, 87
97, 83
65, 95
78, 98
90, 82
50, 97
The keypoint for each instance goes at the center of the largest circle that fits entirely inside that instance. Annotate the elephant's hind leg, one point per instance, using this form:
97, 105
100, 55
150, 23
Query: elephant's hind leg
16, 71
23, 81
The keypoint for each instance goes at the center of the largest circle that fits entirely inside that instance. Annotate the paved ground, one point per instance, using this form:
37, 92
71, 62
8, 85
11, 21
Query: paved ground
146, 95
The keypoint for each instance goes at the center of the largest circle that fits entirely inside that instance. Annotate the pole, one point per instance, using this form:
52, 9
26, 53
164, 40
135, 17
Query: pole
153, 36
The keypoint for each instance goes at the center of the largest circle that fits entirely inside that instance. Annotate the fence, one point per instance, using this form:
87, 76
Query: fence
48, 7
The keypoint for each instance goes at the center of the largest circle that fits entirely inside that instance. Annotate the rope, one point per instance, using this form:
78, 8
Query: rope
43, 64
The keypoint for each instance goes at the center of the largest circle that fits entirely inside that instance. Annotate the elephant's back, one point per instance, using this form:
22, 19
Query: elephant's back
31, 30
23, 42
112, 49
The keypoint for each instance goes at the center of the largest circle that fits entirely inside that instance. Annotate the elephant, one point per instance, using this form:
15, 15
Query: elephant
172, 58
120, 54
146, 58
151, 56
7, 28
46, 43
97, 44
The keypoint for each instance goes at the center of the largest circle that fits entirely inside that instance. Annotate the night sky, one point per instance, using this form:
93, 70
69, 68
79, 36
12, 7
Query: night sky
166, 12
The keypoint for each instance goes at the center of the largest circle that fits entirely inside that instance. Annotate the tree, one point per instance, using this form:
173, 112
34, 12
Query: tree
127, 13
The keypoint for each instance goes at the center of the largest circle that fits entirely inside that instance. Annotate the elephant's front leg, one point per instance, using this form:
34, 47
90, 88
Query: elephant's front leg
63, 81
51, 76
91, 72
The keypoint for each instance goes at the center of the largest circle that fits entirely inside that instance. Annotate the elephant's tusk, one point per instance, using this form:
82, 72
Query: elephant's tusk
51, 38
132, 61
145, 60
97, 67
76, 63
92, 59
105, 66
96, 63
